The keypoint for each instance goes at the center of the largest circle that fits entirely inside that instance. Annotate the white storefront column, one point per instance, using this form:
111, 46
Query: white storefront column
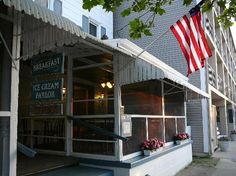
117, 106
14, 92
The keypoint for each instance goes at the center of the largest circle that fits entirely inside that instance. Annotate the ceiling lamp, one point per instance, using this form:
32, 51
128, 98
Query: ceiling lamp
103, 85
109, 85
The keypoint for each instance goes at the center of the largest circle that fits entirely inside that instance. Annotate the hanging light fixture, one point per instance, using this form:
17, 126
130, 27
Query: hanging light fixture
103, 85
109, 85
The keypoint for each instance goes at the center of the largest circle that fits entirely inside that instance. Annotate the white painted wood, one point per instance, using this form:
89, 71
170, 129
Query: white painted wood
213, 131
165, 165
14, 93
117, 105
92, 66
92, 156
5, 114
171, 159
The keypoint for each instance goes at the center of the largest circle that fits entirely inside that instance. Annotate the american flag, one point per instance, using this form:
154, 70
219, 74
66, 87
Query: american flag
190, 35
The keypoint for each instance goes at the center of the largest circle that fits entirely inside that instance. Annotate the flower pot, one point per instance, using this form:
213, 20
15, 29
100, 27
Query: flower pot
152, 152
179, 142
233, 137
224, 146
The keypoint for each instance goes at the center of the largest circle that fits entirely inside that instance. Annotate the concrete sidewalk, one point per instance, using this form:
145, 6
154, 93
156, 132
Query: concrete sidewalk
226, 164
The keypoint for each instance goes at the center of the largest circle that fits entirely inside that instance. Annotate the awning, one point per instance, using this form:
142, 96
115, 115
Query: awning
47, 16
161, 70
44, 30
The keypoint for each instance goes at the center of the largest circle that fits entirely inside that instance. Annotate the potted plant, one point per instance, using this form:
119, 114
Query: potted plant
233, 135
181, 138
151, 146
224, 143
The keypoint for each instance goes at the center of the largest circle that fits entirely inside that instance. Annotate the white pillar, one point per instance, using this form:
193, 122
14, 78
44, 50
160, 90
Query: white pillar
14, 92
117, 105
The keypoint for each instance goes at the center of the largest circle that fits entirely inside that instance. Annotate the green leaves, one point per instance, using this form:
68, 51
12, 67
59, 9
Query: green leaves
137, 28
146, 10
187, 2
207, 6
126, 12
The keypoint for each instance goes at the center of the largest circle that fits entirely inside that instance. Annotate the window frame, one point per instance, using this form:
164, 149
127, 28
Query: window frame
89, 21
54, 9
103, 29
162, 116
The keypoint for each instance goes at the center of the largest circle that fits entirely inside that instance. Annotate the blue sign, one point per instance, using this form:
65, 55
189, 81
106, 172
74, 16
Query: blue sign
47, 90
48, 64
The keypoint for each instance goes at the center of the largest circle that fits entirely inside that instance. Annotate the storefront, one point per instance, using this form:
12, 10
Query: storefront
80, 96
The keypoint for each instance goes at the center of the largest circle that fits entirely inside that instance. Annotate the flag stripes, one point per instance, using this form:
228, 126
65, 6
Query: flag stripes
190, 35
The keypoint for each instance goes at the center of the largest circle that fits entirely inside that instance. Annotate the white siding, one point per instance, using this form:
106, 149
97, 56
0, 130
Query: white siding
73, 10
194, 119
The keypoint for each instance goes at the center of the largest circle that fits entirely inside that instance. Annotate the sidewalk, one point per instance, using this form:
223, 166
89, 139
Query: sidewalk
226, 165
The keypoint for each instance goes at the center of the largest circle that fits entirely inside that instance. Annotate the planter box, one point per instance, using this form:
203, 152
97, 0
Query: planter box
224, 146
152, 152
179, 142
233, 137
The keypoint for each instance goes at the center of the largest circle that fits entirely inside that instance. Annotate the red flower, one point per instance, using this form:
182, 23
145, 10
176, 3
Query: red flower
181, 136
152, 144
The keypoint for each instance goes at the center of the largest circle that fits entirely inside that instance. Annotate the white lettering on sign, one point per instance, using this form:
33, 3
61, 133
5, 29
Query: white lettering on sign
46, 86
47, 95
46, 64
51, 89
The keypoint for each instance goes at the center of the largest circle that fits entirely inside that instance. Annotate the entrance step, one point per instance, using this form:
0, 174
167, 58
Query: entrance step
79, 170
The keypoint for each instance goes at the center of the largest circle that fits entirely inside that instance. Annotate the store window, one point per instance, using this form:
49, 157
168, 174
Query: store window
174, 100
138, 135
155, 128
170, 129
46, 134
93, 103
142, 98
5, 64
143, 102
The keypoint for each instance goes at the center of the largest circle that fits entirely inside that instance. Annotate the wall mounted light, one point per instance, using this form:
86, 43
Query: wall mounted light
63, 90
109, 85
103, 85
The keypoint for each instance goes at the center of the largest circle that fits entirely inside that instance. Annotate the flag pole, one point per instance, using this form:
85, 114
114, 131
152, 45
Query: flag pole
153, 42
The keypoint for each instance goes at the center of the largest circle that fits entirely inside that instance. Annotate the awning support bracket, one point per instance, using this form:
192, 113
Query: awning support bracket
8, 50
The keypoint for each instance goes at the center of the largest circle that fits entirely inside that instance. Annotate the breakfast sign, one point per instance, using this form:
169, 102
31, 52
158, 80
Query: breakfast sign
48, 65
46, 92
